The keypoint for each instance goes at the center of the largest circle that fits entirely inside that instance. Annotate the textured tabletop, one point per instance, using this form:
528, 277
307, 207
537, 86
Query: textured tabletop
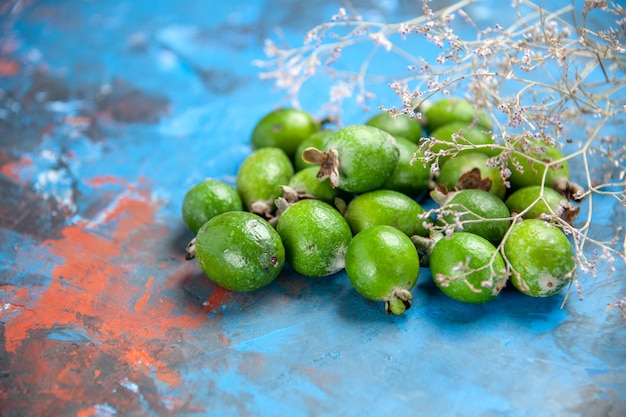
109, 112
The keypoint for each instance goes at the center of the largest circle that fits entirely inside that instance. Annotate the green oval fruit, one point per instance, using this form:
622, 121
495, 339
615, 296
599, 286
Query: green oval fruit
358, 158
315, 236
386, 207
206, 200
283, 128
382, 264
532, 160
467, 268
411, 177
536, 201
315, 140
475, 211
452, 110
398, 125
540, 257
239, 251
471, 171
462, 134
304, 184
259, 179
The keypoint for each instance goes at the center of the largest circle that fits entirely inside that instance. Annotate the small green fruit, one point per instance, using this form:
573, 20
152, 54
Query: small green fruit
382, 264
206, 200
475, 211
283, 128
357, 158
386, 207
536, 201
259, 179
398, 125
540, 257
239, 251
315, 236
471, 171
411, 176
467, 268
452, 110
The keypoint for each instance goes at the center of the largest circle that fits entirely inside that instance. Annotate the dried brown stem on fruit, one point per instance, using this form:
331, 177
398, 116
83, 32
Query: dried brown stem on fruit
191, 249
328, 162
474, 180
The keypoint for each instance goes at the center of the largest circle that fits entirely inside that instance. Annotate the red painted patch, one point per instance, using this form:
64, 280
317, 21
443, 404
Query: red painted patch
218, 298
9, 67
125, 317
103, 180
12, 169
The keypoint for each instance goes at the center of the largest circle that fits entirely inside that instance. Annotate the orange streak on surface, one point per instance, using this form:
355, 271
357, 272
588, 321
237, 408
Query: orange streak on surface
141, 302
98, 287
218, 298
103, 180
11, 169
8, 67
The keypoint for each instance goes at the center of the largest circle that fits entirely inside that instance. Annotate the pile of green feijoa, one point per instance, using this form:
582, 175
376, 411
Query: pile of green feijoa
352, 199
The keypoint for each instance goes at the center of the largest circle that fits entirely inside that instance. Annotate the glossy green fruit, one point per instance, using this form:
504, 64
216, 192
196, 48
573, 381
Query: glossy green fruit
305, 185
259, 179
531, 161
453, 110
357, 158
239, 251
386, 207
400, 125
471, 171
475, 211
284, 128
206, 200
411, 177
540, 257
315, 236
536, 201
464, 135
467, 268
382, 264
315, 140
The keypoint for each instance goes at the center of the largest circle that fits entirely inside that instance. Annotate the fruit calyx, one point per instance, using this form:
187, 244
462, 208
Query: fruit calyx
569, 190
399, 301
473, 180
191, 249
328, 162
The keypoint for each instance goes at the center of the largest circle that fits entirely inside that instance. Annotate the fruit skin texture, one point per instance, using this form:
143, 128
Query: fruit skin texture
481, 205
459, 173
386, 207
206, 200
409, 178
532, 172
239, 251
315, 236
284, 128
540, 257
259, 179
525, 198
383, 265
453, 109
475, 253
357, 158
400, 125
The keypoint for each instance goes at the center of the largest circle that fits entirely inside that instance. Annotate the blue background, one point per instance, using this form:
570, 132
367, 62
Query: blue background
112, 102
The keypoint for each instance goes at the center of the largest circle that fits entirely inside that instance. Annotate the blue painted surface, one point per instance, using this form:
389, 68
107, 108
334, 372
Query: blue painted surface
170, 97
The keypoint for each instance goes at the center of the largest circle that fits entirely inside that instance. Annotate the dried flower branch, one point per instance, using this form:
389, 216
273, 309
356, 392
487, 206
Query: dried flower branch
548, 78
